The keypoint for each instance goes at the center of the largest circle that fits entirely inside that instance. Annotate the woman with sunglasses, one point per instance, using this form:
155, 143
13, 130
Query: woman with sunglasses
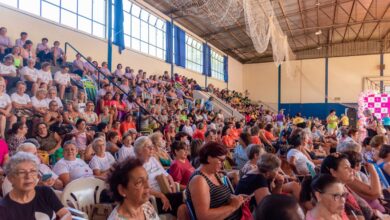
329, 196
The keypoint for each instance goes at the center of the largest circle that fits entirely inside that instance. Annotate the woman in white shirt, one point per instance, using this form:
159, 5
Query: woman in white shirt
5, 109
30, 76
39, 102
70, 168
21, 102
102, 161
62, 79
8, 71
297, 155
127, 150
44, 75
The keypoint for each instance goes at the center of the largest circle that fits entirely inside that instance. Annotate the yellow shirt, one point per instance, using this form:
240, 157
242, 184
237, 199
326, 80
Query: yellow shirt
298, 120
345, 121
332, 121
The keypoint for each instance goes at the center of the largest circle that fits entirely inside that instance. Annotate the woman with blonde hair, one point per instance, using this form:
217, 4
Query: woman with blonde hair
160, 152
5, 109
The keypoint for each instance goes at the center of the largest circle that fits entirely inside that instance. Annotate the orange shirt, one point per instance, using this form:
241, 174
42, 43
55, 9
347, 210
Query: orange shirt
125, 126
256, 140
229, 141
198, 134
269, 136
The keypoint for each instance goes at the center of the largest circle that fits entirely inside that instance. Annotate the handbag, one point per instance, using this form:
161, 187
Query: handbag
101, 211
246, 212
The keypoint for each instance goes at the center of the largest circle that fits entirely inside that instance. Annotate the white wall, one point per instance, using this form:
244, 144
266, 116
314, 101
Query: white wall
37, 27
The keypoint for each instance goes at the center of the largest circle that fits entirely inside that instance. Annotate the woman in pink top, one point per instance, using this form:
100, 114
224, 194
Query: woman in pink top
181, 169
329, 195
3, 152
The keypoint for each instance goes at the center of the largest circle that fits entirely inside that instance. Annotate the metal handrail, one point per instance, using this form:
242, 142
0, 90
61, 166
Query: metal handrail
216, 98
67, 44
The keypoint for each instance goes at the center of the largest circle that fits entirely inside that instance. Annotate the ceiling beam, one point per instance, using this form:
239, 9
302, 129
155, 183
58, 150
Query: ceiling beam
285, 18
349, 19
302, 20
365, 16
377, 24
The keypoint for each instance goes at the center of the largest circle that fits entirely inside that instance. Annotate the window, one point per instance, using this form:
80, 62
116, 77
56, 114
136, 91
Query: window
194, 58
144, 31
217, 65
85, 15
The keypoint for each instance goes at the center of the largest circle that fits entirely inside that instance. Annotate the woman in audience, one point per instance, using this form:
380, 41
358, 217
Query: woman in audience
71, 115
53, 116
5, 108
52, 96
356, 161
128, 123
181, 169
383, 160
269, 133
266, 180
329, 196
89, 115
208, 196
339, 167
253, 152
112, 142
227, 139
82, 136
26, 199
49, 141
297, 155
29, 75
106, 117
40, 106
196, 145
128, 182
166, 203
9, 72
102, 161
28, 51
18, 60
5, 43
17, 135
21, 102
45, 76
58, 54
120, 106
160, 146
78, 66
127, 149
281, 207
70, 168
240, 155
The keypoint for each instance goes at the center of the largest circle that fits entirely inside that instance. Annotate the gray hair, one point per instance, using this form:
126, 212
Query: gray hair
349, 146
19, 157
24, 146
66, 143
268, 162
140, 143
95, 141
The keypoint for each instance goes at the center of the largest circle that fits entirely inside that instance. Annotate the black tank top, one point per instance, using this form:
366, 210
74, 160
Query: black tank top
219, 195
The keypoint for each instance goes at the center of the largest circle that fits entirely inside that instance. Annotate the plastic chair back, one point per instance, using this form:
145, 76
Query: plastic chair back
83, 194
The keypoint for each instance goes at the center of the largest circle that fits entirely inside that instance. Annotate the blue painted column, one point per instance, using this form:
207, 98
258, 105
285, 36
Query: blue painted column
326, 84
279, 85
109, 33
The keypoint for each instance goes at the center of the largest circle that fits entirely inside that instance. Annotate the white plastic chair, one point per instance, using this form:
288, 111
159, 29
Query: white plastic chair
82, 194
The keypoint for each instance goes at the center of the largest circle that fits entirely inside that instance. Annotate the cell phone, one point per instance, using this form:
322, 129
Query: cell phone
46, 176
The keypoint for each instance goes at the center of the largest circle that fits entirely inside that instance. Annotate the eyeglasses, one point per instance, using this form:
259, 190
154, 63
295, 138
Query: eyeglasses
25, 173
337, 196
141, 183
221, 159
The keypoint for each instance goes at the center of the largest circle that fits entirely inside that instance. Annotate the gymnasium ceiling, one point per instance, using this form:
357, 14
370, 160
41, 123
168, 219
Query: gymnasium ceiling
349, 27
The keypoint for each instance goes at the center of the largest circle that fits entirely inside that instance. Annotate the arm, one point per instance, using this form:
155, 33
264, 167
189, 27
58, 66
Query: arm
64, 214
65, 178
201, 201
58, 144
260, 193
372, 191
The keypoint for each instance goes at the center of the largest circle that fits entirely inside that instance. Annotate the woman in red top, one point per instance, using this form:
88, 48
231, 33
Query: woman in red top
127, 124
119, 105
227, 138
181, 169
269, 133
105, 101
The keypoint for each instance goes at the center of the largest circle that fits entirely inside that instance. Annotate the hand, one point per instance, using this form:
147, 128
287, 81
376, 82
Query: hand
165, 202
236, 201
279, 180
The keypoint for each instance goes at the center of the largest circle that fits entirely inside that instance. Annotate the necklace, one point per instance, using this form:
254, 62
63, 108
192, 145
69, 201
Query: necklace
127, 213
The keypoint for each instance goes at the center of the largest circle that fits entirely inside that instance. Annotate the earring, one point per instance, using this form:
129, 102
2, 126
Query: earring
124, 195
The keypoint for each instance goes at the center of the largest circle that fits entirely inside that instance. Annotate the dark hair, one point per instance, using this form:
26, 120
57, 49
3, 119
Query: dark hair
16, 127
79, 121
209, 132
366, 141
353, 157
211, 149
277, 206
384, 150
246, 138
332, 161
224, 130
317, 184
331, 111
180, 135
252, 150
101, 126
111, 135
178, 145
352, 131
23, 33
255, 130
196, 145
120, 175
268, 127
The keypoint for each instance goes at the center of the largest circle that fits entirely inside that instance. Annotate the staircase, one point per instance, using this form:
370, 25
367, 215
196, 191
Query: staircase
227, 110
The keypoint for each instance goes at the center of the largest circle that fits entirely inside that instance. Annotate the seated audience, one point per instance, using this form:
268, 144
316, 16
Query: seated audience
277, 206
102, 161
181, 169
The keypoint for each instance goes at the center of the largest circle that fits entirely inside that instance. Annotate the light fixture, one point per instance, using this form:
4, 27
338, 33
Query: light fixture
319, 32
319, 48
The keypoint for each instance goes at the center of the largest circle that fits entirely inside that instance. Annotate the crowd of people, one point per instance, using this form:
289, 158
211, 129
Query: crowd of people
147, 136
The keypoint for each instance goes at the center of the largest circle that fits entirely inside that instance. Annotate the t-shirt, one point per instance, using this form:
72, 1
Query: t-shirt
90, 118
58, 100
44, 76
181, 172
42, 207
332, 121
240, 156
147, 208
62, 78
344, 121
11, 69
125, 152
300, 161
3, 151
23, 100
386, 121
39, 103
4, 100
31, 72
76, 168
249, 183
102, 163
154, 169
